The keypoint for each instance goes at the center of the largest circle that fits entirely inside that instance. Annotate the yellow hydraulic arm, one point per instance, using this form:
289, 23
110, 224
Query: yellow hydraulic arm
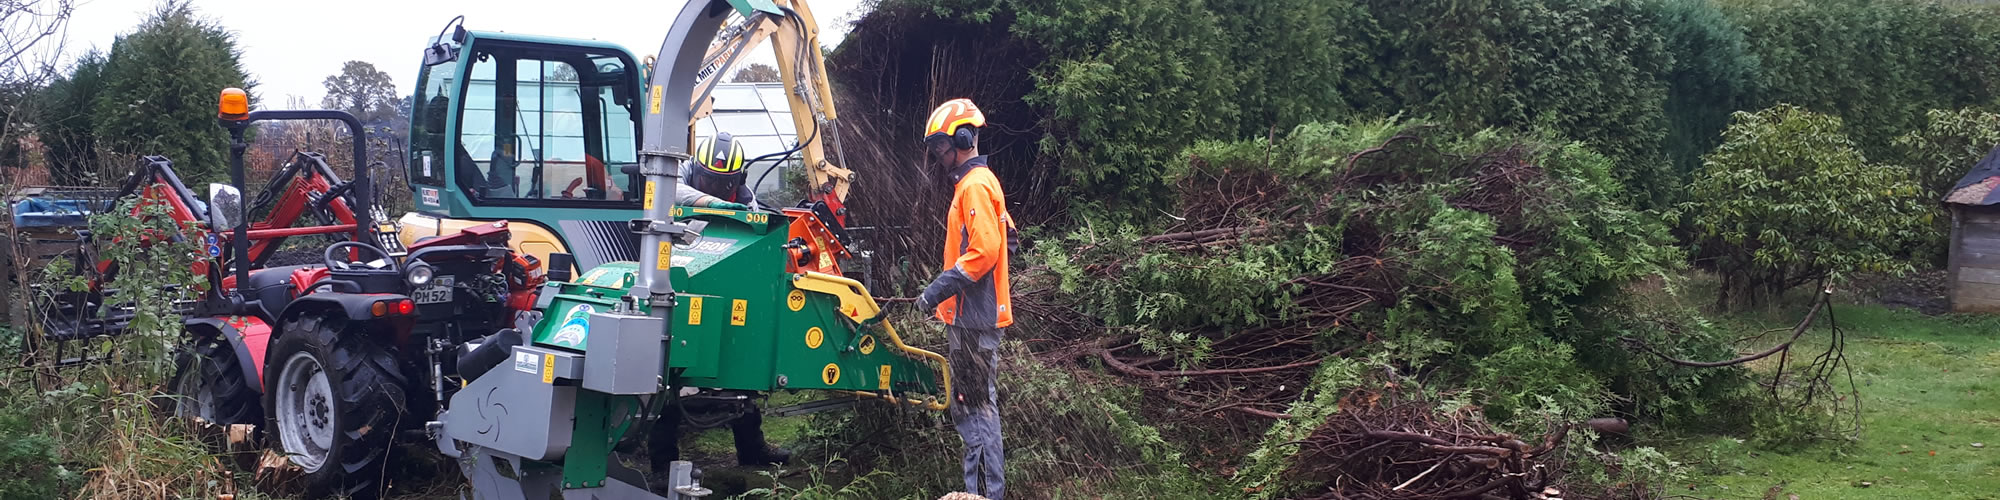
794, 36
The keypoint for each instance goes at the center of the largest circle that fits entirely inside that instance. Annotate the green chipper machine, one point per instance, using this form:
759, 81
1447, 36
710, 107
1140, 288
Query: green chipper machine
718, 300
623, 338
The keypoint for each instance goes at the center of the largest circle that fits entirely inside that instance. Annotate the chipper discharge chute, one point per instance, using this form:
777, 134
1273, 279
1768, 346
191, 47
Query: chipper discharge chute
750, 311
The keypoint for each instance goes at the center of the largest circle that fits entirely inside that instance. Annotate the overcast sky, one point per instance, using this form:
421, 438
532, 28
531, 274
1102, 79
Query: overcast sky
290, 47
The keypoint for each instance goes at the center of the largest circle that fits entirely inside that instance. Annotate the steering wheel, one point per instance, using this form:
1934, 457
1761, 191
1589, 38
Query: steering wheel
343, 264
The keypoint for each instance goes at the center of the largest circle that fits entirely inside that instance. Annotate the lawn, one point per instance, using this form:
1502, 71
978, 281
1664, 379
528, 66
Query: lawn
1930, 416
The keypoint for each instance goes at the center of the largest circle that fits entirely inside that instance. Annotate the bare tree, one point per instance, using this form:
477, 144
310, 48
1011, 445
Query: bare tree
32, 33
31, 39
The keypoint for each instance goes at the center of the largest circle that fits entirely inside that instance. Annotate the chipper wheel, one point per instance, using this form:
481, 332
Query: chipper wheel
334, 398
209, 384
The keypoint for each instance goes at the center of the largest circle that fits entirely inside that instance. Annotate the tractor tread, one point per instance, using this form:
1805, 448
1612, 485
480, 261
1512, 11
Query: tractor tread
214, 361
371, 394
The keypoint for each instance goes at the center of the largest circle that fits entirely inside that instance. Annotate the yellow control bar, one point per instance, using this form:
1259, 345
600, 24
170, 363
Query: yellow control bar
856, 303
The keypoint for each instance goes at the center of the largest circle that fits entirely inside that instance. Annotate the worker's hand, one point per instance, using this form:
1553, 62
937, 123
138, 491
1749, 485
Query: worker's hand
727, 205
924, 305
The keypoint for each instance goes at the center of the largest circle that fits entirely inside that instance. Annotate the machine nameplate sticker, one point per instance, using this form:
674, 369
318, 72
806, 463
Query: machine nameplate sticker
694, 310
548, 368
431, 197
867, 345
525, 362
738, 310
796, 300
815, 337
830, 374
710, 246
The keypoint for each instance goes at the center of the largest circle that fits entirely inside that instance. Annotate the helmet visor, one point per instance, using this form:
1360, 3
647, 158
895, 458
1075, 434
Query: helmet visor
718, 185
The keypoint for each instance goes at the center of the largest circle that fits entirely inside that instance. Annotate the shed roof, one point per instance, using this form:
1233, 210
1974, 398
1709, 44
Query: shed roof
1977, 187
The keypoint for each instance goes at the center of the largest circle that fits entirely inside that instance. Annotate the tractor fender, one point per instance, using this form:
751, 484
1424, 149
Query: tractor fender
248, 336
353, 306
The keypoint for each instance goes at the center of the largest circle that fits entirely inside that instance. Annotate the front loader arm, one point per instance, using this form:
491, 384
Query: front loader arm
305, 185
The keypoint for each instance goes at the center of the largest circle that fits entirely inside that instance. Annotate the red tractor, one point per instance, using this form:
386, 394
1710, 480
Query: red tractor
329, 356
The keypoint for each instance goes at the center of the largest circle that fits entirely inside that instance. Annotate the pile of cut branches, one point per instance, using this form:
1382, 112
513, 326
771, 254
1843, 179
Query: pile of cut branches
1288, 251
1391, 443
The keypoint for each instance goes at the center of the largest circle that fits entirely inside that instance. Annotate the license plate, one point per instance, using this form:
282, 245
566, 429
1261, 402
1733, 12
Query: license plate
438, 292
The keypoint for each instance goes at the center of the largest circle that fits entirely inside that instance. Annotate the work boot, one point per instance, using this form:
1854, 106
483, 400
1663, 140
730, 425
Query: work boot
751, 449
768, 455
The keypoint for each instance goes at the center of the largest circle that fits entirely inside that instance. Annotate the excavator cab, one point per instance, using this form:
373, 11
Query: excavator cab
535, 130
544, 132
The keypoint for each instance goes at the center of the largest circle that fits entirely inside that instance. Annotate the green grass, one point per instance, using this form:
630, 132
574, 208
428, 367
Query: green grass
1927, 384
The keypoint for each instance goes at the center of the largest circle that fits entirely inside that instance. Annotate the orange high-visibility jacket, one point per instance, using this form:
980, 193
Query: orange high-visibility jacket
972, 290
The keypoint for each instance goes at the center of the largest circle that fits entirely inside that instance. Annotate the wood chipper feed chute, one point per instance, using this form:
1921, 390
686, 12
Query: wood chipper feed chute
743, 321
861, 309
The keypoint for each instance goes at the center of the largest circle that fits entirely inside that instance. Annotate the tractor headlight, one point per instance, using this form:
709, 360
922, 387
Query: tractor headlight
420, 274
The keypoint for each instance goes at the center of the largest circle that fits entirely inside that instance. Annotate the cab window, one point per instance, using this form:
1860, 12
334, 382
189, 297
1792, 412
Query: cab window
541, 125
432, 107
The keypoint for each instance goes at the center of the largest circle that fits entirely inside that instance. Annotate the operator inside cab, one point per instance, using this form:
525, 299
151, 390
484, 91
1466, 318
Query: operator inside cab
715, 180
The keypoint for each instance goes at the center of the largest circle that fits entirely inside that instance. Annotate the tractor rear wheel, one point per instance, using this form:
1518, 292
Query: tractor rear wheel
208, 383
335, 398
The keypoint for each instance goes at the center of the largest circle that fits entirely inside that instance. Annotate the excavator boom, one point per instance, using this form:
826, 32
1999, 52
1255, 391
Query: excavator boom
794, 35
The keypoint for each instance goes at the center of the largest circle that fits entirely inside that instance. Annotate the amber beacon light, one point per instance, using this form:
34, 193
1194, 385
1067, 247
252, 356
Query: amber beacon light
235, 105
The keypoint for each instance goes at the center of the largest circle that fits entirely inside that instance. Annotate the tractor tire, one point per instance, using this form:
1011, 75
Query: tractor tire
208, 383
334, 399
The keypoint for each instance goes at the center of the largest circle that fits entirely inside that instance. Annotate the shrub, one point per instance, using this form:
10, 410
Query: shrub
1788, 200
29, 466
1948, 145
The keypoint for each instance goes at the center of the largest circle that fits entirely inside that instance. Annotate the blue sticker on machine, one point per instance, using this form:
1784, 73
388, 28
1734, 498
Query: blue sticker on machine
576, 326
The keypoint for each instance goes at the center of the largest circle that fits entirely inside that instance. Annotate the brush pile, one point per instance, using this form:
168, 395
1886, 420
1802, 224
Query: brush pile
1473, 257
1388, 442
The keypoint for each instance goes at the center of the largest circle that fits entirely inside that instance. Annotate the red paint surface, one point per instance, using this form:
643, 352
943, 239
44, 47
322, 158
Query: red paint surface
256, 337
303, 279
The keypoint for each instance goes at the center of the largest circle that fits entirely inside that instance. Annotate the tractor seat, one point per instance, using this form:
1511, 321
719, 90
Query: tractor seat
272, 287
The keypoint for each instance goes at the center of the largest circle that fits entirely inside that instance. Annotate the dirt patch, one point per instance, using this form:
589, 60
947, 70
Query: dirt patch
1922, 291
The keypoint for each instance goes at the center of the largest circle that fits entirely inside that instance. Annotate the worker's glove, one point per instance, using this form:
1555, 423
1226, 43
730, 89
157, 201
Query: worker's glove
924, 304
727, 205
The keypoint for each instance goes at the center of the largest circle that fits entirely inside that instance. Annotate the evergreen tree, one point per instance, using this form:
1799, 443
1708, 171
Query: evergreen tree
66, 128
161, 84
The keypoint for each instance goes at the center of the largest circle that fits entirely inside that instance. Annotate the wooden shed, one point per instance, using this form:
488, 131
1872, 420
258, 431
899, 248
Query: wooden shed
1974, 266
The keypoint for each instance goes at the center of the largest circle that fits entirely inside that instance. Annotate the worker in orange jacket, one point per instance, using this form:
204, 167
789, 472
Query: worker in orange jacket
970, 295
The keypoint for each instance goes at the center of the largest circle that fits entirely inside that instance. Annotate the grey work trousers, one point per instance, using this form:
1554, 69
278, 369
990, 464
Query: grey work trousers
975, 365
